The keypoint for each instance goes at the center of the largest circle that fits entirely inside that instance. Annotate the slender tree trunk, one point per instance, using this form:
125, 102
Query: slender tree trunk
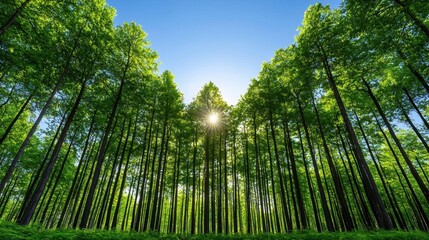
72, 188
135, 224
421, 212
414, 71
219, 190
301, 205
118, 174
279, 172
128, 205
325, 207
370, 187
309, 183
258, 173
59, 174
235, 177
413, 170
226, 186
206, 184
277, 229
335, 176
158, 177
395, 207
35, 177
102, 153
104, 193
41, 115
11, 20
11, 124
34, 199
33, 129
247, 175
419, 23
194, 186
366, 215
416, 131
159, 209
186, 204
79, 208
146, 218
416, 108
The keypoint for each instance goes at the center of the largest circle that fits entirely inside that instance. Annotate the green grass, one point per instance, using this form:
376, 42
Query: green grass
14, 231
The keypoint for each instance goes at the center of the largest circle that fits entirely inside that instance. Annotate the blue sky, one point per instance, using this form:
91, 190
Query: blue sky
223, 41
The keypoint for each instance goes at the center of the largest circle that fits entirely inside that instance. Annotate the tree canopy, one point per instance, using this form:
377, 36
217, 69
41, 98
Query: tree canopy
331, 136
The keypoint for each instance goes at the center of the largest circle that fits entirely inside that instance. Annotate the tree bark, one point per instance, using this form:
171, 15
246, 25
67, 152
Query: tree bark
288, 145
325, 207
11, 124
370, 187
335, 176
413, 170
34, 199
419, 23
72, 188
11, 20
416, 108
41, 115
103, 148
309, 183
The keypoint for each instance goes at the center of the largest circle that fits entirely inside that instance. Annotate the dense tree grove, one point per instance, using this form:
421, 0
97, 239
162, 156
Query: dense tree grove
331, 136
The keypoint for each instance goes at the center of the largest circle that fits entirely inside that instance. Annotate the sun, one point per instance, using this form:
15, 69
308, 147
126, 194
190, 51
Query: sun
213, 118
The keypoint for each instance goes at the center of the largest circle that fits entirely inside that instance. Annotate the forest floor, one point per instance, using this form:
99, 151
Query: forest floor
13, 231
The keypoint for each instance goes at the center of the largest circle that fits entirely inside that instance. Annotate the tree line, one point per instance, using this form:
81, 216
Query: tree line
331, 136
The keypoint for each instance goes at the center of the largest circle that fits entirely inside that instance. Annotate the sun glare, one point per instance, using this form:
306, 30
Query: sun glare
213, 118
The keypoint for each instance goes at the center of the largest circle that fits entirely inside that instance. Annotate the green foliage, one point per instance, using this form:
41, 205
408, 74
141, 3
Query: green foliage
267, 156
12, 231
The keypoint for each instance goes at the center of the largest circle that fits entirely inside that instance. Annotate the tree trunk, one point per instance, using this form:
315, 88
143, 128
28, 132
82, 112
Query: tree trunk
11, 20
419, 23
194, 186
366, 214
206, 184
279, 172
325, 207
247, 176
421, 213
395, 207
309, 183
41, 115
226, 187
158, 177
104, 193
414, 71
258, 173
72, 188
102, 153
413, 170
135, 223
301, 205
146, 218
9, 127
219, 190
57, 179
335, 176
416, 131
34, 199
416, 108
370, 187
277, 229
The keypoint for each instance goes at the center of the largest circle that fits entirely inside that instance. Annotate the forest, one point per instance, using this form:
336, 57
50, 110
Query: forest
332, 136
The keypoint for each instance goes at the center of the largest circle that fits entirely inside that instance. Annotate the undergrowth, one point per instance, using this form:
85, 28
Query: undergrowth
13, 231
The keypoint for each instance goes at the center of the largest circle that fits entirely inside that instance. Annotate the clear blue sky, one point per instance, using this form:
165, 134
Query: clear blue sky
223, 41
